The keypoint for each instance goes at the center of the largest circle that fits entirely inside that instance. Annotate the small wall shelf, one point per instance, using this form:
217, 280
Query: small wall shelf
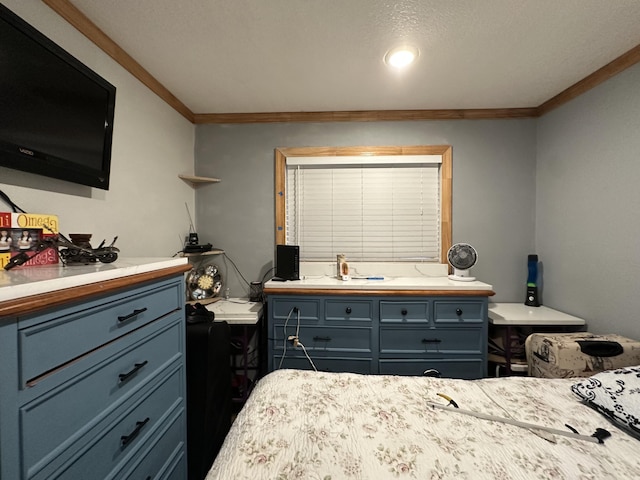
195, 181
215, 251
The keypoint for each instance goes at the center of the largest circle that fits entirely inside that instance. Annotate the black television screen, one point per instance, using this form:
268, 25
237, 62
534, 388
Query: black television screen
56, 114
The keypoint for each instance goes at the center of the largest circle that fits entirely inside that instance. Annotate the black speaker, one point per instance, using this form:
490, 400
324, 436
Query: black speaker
288, 262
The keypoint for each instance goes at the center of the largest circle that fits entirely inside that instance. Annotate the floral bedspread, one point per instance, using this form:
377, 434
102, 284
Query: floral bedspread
329, 426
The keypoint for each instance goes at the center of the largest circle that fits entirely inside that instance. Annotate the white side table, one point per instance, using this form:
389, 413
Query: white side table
511, 315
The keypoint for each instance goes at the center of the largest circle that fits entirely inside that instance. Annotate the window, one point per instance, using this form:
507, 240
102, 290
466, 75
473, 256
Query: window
370, 203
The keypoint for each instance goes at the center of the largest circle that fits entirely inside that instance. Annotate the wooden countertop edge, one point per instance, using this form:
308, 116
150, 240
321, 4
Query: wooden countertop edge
394, 293
34, 303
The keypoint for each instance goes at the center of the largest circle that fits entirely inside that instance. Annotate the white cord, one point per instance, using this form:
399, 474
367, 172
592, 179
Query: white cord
285, 340
307, 355
295, 339
511, 421
539, 432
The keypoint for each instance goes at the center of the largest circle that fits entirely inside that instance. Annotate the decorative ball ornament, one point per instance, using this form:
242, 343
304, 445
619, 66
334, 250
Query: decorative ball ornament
203, 283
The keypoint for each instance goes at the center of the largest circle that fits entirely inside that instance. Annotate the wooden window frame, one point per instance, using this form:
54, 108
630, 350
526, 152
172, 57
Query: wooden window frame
281, 155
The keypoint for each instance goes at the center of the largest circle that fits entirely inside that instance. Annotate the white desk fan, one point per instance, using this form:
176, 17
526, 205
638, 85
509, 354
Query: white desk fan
462, 257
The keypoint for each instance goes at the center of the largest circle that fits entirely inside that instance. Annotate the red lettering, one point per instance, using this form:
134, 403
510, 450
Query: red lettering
5, 220
46, 257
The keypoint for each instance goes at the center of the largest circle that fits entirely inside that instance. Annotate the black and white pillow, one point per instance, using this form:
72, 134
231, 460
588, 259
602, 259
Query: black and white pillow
616, 394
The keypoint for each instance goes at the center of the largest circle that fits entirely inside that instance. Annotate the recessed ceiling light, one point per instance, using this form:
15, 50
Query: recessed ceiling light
401, 57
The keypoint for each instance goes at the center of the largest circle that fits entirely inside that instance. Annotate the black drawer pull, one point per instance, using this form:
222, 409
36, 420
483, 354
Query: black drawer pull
348, 310
458, 311
431, 372
135, 313
431, 340
126, 439
321, 339
403, 311
136, 367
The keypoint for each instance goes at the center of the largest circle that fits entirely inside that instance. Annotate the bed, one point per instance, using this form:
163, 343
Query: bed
300, 424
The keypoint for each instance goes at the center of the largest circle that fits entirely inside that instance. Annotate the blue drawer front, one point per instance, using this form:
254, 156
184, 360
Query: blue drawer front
177, 469
323, 364
458, 312
55, 419
65, 335
352, 339
163, 454
404, 312
431, 340
121, 436
307, 310
447, 367
348, 311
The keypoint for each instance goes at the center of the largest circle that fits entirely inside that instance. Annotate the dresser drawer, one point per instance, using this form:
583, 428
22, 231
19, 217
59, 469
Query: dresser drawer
404, 312
324, 364
176, 469
348, 310
447, 368
58, 418
329, 339
57, 338
121, 436
308, 310
431, 340
458, 312
163, 453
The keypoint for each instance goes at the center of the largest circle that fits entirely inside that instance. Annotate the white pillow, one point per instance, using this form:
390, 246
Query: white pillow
616, 394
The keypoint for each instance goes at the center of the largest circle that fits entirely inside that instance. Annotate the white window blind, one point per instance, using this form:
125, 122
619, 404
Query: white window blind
367, 210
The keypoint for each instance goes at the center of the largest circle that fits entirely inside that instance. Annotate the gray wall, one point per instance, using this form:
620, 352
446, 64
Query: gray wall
493, 189
588, 200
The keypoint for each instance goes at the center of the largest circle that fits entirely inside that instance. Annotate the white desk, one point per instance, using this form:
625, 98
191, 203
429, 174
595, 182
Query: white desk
236, 311
245, 315
521, 314
511, 315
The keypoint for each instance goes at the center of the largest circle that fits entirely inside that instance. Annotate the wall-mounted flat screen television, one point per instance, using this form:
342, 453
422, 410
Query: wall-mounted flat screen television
56, 114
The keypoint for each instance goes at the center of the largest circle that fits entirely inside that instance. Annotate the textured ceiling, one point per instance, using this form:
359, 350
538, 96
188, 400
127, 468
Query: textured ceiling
243, 56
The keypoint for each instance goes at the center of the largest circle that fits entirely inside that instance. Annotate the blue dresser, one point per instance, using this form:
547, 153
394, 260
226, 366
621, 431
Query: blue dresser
441, 333
92, 383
